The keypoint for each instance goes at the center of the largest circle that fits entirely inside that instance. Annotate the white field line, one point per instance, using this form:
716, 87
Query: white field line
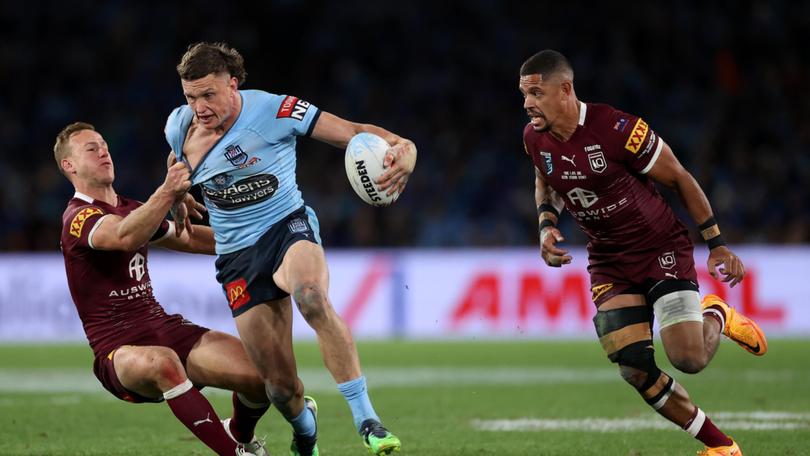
318, 380
756, 420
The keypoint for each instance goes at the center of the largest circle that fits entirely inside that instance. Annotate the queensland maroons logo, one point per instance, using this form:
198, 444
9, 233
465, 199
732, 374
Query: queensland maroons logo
597, 161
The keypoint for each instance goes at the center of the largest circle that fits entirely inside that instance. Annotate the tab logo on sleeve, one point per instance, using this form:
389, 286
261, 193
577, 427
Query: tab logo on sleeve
77, 223
293, 107
637, 136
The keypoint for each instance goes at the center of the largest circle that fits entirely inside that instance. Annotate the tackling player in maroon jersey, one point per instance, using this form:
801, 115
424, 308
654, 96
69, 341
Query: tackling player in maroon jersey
600, 164
141, 353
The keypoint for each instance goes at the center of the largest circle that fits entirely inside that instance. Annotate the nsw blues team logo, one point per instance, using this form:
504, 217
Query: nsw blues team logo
235, 155
547, 159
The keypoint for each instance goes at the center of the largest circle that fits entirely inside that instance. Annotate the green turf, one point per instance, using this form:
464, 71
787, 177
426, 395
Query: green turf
431, 418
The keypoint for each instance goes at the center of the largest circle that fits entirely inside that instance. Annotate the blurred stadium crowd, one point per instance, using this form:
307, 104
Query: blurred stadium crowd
724, 83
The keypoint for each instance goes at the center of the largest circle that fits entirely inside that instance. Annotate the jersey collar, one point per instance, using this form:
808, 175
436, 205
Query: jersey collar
83, 197
583, 109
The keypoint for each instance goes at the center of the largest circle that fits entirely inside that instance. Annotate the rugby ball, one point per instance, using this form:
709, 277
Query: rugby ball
364, 165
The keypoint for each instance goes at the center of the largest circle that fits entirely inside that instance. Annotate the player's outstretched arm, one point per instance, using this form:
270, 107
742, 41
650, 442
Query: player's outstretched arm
131, 232
549, 205
668, 171
399, 161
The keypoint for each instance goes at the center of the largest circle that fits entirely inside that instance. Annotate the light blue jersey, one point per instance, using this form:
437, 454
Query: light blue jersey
248, 177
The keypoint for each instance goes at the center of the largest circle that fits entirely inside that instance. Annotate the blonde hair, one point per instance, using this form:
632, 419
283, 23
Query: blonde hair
61, 149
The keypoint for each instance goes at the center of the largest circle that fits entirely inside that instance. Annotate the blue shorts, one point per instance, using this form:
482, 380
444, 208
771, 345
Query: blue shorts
246, 275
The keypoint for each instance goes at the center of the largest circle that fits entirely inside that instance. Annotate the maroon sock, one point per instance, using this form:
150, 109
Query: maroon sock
702, 428
717, 313
196, 413
245, 416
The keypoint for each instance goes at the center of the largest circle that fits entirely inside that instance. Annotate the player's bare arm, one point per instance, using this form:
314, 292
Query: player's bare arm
668, 171
134, 230
197, 240
549, 206
400, 159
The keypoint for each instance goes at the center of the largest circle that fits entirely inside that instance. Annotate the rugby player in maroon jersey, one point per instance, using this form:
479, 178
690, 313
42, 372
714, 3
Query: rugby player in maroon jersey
600, 164
141, 353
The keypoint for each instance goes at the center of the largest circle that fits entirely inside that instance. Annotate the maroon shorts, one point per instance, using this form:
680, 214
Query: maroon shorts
613, 275
173, 332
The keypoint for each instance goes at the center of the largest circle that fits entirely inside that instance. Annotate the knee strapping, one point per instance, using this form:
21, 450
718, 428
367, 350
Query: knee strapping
626, 336
625, 332
657, 385
656, 390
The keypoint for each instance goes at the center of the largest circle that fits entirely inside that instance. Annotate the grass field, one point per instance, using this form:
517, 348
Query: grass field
448, 398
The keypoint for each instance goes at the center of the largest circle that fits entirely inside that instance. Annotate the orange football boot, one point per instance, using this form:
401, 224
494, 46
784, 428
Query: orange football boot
730, 450
739, 328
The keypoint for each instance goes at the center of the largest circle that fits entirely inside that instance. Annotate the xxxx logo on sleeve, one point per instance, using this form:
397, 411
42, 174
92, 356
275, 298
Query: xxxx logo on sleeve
77, 223
637, 136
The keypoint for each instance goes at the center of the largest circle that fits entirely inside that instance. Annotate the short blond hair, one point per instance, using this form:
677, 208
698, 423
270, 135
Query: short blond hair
61, 149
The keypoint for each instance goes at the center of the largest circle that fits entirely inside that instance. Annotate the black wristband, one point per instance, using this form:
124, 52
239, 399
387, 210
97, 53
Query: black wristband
545, 224
545, 207
707, 224
716, 241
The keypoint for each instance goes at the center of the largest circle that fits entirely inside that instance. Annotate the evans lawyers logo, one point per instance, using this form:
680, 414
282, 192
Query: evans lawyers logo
245, 192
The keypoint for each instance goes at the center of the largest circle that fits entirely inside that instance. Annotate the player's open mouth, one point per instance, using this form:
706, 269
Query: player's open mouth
537, 120
205, 118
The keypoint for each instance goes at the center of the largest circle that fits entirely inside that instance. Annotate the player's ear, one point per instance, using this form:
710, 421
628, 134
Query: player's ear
67, 166
567, 87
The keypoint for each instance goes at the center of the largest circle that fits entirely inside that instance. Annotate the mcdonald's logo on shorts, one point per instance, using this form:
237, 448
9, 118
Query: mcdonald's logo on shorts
237, 293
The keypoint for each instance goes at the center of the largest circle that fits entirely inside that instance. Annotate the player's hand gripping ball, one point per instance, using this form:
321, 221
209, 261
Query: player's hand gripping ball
364, 165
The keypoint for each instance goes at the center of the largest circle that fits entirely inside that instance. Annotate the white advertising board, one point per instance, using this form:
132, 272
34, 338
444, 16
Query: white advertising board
411, 293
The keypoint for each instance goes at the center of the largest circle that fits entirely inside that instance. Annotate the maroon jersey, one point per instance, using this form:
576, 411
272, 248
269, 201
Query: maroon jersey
600, 173
111, 289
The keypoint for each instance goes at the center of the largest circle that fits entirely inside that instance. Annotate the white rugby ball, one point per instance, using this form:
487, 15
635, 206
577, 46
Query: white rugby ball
364, 165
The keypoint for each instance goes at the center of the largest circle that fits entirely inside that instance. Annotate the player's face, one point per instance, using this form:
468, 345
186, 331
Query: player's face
211, 98
542, 100
90, 158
